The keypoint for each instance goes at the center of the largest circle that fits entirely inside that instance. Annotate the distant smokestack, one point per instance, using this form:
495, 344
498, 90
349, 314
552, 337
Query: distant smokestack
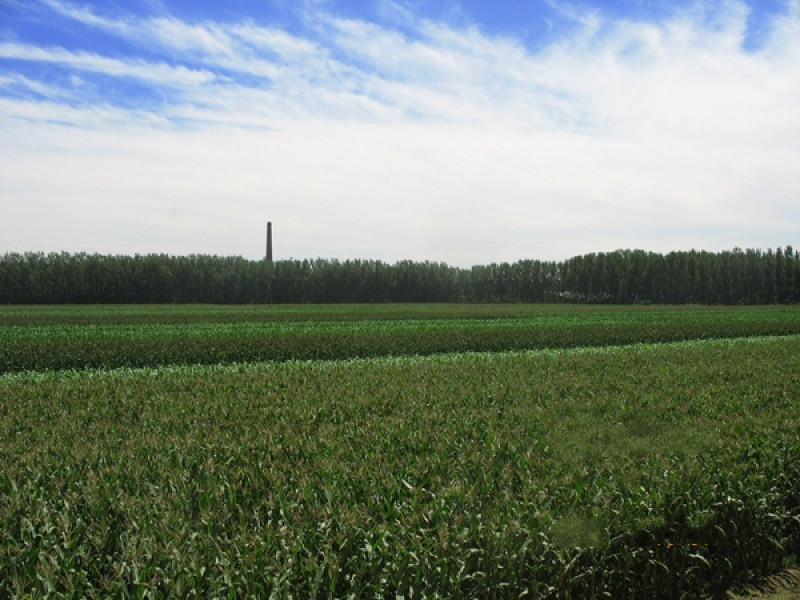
269, 241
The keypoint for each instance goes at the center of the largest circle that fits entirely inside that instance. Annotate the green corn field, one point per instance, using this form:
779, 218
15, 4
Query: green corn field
79, 337
449, 451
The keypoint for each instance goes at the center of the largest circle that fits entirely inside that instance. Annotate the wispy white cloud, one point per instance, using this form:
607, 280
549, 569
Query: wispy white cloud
15, 81
88, 17
155, 73
423, 140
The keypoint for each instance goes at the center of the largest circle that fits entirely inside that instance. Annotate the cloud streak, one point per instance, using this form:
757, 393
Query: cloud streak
362, 138
153, 73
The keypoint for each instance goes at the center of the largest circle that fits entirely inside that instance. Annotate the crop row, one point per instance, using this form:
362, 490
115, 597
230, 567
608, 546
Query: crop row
376, 323
661, 471
83, 348
178, 314
115, 314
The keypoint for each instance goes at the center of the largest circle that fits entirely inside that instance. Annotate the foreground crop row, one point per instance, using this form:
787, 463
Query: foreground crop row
649, 471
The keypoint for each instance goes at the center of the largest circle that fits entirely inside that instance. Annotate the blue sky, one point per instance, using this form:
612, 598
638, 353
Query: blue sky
463, 131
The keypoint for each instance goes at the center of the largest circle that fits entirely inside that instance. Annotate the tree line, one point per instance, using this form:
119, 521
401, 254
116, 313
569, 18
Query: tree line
621, 277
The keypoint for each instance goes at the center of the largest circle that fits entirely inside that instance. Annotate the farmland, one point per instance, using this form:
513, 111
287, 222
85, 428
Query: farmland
41, 338
450, 450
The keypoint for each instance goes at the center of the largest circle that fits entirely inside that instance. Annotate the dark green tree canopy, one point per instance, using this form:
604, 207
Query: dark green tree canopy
623, 277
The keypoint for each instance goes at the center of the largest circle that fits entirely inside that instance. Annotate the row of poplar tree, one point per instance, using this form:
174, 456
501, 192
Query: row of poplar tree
623, 277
